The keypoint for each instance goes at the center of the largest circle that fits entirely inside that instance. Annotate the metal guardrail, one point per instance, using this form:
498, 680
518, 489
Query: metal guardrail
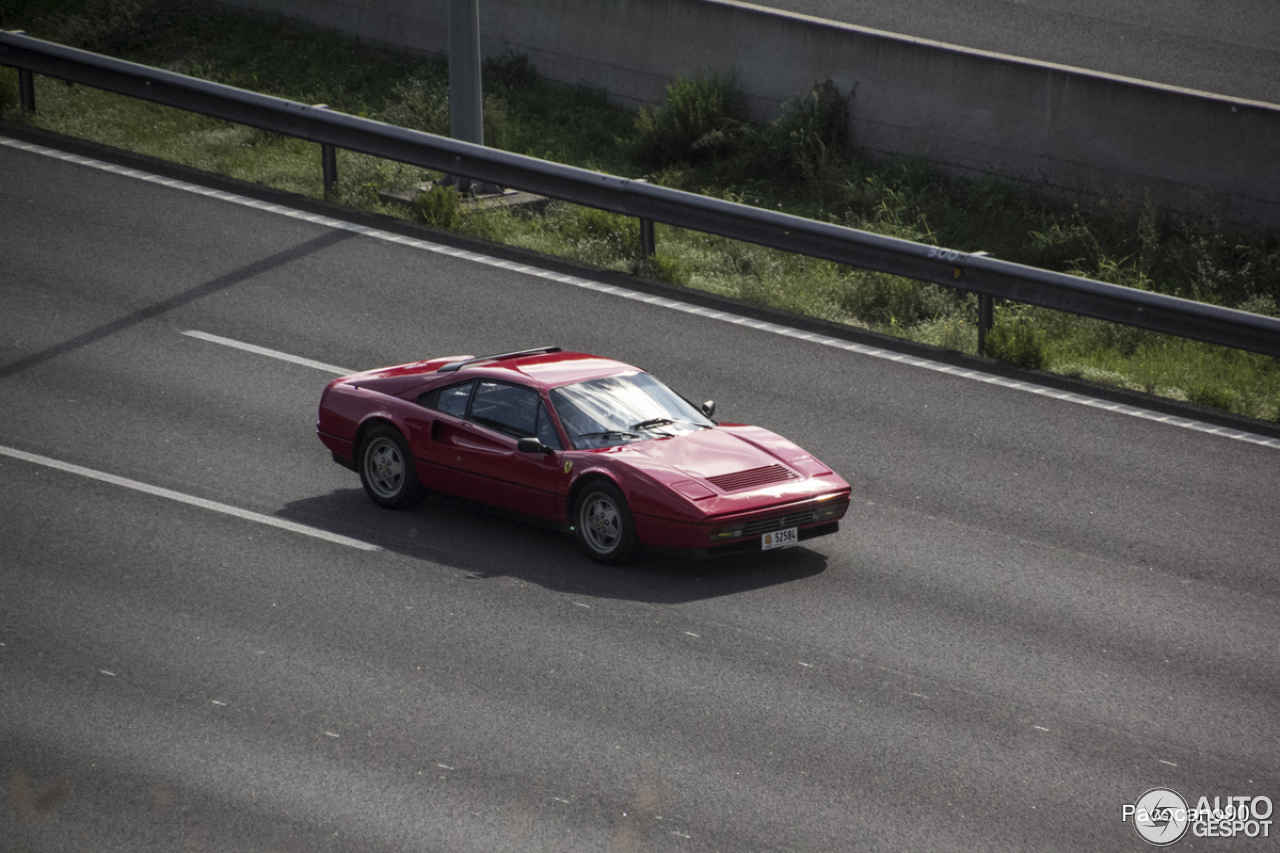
986, 276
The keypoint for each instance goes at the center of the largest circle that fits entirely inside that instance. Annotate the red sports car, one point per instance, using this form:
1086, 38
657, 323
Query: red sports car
587, 442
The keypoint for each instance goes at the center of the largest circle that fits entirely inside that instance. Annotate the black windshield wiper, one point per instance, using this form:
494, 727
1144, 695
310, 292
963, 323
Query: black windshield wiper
608, 432
653, 422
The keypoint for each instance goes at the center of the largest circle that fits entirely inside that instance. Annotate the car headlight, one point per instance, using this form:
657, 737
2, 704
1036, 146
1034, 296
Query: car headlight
827, 513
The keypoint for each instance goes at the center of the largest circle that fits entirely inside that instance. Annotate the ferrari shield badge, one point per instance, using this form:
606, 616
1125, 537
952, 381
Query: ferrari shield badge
568, 466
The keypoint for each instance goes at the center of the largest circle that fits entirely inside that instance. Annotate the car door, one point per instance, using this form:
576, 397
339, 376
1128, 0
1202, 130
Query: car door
499, 415
444, 419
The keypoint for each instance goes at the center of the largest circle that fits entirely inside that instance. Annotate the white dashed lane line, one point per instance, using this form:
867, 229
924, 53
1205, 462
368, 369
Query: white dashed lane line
190, 500
270, 353
650, 299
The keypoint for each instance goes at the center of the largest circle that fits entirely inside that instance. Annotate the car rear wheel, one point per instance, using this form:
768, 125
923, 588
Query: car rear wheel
603, 523
386, 469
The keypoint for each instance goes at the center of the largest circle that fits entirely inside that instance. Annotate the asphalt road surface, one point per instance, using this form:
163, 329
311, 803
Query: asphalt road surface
1226, 47
1036, 610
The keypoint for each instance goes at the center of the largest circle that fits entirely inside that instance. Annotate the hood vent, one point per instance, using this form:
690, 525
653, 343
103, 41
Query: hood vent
752, 478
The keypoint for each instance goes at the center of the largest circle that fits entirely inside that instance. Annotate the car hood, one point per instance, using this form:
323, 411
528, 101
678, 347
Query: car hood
730, 459
707, 454
723, 471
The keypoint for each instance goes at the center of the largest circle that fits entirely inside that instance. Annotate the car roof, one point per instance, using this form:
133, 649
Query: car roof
544, 370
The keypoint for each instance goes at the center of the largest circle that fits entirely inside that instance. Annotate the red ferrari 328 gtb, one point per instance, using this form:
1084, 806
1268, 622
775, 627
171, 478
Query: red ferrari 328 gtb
587, 442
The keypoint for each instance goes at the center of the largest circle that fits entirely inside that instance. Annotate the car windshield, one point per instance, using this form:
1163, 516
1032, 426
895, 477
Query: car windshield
623, 408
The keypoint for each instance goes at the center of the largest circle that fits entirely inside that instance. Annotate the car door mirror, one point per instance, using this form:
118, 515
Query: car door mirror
709, 408
532, 445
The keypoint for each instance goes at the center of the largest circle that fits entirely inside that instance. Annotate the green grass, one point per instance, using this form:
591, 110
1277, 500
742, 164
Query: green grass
698, 140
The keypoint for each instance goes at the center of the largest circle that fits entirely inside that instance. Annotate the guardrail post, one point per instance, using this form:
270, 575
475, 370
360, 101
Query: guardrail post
648, 237
986, 319
27, 90
986, 313
26, 83
328, 162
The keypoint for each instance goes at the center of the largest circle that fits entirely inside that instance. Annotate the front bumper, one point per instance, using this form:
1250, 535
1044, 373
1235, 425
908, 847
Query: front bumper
743, 531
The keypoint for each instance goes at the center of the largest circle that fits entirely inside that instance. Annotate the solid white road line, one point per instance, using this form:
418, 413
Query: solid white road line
245, 514
283, 356
659, 301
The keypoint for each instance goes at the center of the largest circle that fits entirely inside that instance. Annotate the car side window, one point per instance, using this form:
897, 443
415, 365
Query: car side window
451, 400
546, 429
509, 409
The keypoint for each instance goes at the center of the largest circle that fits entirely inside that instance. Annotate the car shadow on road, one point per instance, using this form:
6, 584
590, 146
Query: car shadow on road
487, 544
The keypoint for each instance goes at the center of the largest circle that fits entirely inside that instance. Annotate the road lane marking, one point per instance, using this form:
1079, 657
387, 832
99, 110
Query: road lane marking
191, 500
271, 353
650, 299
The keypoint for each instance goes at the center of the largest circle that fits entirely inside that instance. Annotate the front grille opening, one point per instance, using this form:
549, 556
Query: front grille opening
766, 525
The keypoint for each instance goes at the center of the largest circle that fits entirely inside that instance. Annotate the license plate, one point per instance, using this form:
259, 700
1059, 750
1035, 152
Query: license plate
780, 539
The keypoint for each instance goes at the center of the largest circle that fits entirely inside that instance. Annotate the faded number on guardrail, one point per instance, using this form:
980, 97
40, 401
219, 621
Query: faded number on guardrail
945, 254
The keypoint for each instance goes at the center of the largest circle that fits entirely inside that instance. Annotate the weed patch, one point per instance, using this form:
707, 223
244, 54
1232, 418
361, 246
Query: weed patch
702, 119
1016, 341
440, 207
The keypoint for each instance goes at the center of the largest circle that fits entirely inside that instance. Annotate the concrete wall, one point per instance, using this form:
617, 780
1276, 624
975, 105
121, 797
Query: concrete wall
967, 111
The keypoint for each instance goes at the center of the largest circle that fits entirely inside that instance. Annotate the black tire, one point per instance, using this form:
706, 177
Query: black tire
386, 469
602, 522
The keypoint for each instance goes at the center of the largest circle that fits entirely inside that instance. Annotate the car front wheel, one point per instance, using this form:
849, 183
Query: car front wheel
386, 469
603, 524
